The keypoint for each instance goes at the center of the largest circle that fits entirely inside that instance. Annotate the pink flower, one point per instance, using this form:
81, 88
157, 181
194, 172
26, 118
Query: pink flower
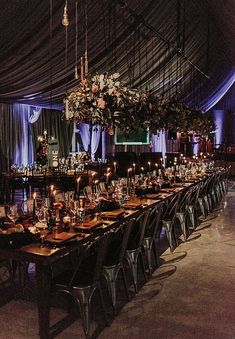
101, 103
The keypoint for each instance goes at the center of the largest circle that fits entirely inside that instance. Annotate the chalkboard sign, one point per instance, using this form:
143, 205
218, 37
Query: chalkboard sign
53, 153
139, 136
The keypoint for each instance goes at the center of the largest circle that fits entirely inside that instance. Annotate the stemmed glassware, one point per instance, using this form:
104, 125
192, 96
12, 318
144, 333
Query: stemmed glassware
13, 213
42, 215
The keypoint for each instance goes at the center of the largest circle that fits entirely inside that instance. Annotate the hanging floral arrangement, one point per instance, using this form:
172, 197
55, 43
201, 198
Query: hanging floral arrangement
104, 100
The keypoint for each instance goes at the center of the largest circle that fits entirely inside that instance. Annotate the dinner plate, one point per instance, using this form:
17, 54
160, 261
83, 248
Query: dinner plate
113, 215
90, 225
58, 238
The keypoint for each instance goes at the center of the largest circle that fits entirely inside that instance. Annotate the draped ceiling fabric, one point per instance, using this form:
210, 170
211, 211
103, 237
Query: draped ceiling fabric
120, 38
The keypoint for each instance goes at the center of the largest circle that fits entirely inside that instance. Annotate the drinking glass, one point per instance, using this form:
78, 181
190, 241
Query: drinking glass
13, 213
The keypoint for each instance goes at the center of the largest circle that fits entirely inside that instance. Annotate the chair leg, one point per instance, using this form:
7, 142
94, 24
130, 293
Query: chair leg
155, 252
132, 258
84, 306
207, 209
148, 252
181, 218
202, 207
169, 236
143, 266
110, 275
103, 305
125, 282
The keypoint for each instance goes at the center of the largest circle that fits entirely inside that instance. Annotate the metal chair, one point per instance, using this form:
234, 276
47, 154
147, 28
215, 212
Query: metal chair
135, 246
150, 237
37, 182
191, 206
168, 220
114, 260
202, 200
81, 282
182, 211
19, 181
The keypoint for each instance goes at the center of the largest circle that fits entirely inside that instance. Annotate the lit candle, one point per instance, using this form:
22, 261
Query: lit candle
149, 163
107, 177
53, 198
142, 169
134, 170
156, 165
128, 179
78, 185
115, 169
34, 203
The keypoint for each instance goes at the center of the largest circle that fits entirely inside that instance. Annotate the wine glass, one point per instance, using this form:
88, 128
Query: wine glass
42, 214
13, 213
42, 233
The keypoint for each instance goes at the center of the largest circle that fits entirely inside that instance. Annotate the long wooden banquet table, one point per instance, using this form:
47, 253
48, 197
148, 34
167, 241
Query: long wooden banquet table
45, 257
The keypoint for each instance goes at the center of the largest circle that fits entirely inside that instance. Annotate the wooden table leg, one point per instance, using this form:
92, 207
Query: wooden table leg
43, 274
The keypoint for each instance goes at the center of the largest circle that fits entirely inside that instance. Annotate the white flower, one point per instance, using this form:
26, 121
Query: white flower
116, 75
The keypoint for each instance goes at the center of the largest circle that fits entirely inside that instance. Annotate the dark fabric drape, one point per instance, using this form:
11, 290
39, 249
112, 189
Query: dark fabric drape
224, 115
51, 121
15, 141
122, 39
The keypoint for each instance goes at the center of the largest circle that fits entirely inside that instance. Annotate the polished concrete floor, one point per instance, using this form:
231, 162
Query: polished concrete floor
191, 295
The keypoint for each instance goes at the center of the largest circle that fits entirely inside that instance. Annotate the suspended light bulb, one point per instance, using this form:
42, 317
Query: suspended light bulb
65, 19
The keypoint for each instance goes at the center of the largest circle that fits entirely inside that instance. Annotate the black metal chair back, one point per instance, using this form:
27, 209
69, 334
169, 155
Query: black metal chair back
95, 249
154, 220
138, 230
